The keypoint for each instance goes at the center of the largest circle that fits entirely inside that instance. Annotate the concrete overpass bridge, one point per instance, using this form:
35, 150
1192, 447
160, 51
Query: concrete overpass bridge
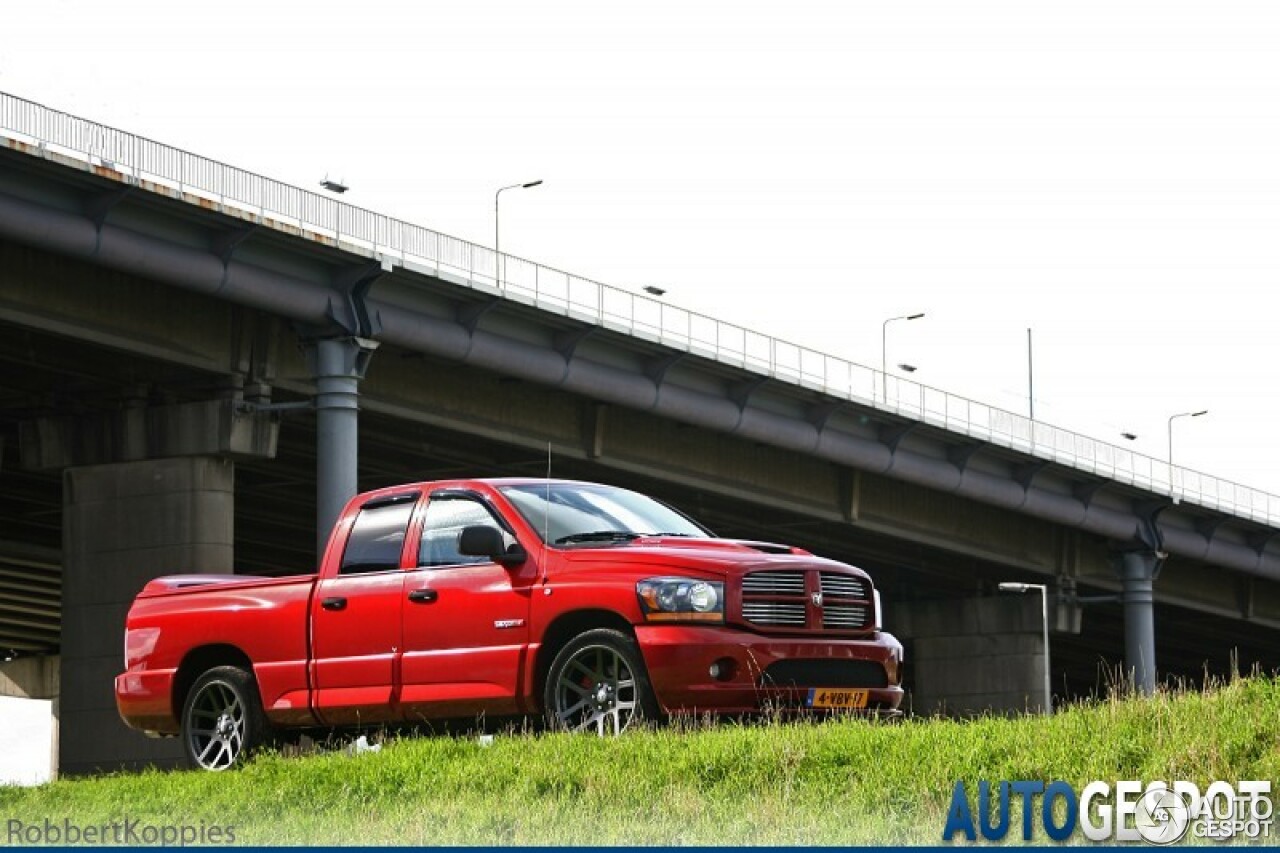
200, 364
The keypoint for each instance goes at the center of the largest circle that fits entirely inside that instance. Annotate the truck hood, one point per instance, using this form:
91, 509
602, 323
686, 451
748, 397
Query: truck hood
724, 557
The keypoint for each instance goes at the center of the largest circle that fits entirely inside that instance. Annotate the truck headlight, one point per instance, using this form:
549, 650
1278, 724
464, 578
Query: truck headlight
681, 600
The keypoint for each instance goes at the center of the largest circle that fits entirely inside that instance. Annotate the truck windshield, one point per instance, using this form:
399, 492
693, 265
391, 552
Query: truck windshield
576, 513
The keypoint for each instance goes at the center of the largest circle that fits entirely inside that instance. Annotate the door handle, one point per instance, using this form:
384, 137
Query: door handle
423, 596
334, 604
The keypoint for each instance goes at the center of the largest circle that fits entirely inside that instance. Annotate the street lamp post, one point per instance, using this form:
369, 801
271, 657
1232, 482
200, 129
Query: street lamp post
1173, 418
497, 254
884, 352
1031, 381
1044, 616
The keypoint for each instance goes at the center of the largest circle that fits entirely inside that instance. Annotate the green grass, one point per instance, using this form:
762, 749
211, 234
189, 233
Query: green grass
834, 782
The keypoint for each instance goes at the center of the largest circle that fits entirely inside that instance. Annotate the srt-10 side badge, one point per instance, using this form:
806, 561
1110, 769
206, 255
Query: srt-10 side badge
508, 623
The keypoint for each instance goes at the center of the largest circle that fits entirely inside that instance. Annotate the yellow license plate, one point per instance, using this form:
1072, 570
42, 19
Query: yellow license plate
826, 697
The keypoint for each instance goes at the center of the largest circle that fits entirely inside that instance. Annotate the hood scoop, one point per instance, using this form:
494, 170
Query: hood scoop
772, 548
730, 545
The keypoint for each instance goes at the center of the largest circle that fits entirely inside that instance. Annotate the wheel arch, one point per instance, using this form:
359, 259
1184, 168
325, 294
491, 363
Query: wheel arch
563, 629
199, 661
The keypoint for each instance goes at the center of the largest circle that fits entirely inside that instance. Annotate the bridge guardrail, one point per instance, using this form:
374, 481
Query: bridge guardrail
144, 160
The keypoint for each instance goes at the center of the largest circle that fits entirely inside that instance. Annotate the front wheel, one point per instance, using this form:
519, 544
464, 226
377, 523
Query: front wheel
597, 683
222, 719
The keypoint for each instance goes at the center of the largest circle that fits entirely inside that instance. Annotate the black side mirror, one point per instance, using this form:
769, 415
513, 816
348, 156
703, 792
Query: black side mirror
481, 540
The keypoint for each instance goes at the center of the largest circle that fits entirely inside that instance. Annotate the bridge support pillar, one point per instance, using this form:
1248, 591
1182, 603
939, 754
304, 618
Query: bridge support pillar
338, 365
124, 524
1138, 570
146, 491
973, 655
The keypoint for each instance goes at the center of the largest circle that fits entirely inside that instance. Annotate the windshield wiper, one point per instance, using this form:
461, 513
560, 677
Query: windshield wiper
600, 536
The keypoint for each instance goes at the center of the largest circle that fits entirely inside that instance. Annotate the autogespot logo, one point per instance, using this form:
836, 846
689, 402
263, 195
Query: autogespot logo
1157, 812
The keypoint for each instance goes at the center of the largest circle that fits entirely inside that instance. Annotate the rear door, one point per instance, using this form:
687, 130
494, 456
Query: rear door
355, 617
466, 619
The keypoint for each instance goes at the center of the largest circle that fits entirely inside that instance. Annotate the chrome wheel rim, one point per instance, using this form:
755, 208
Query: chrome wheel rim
596, 692
215, 726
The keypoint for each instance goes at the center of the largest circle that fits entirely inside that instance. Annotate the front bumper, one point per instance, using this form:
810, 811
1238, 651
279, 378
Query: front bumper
679, 659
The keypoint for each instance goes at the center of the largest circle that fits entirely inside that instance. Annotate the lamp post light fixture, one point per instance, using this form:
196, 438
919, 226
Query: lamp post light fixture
908, 368
654, 290
334, 186
1173, 418
497, 254
1044, 615
884, 352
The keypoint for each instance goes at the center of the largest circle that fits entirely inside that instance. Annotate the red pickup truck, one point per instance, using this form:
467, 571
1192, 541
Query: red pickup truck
592, 605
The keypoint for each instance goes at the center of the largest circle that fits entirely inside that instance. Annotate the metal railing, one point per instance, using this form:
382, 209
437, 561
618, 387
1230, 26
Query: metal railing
151, 164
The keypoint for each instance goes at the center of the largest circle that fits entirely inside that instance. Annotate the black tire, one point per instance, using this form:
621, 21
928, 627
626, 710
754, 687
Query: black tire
598, 683
222, 719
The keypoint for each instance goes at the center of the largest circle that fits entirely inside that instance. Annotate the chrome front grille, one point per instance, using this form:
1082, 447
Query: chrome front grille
845, 617
774, 583
775, 613
789, 599
843, 586
846, 602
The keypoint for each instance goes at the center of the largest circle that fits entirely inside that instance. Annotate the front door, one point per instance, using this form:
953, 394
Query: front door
466, 618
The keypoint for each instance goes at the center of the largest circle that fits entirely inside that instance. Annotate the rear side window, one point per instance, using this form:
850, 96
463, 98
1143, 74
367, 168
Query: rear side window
377, 538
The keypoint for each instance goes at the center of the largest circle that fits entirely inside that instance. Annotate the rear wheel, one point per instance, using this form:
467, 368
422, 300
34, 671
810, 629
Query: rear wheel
222, 719
598, 684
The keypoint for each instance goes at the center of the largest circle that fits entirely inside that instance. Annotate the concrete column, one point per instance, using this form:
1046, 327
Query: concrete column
972, 656
1137, 575
124, 524
338, 364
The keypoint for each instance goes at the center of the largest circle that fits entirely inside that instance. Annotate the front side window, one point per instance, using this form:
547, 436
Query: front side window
576, 513
446, 518
377, 537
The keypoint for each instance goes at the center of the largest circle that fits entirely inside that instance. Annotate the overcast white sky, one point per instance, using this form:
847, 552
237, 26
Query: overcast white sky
1106, 173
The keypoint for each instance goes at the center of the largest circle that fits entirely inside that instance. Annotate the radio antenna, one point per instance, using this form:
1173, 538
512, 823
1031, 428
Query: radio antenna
546, 507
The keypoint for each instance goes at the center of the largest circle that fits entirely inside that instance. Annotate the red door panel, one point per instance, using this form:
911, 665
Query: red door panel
464, 650
465, 619
355, 646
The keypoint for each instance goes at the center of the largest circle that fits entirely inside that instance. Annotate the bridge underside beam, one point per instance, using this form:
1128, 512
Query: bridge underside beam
240, 348
423, 314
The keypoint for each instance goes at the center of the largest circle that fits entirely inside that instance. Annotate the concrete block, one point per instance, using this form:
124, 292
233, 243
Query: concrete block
1005, 704
88, 683
124, 524
1003, 614
151, 521
995, 674
977, 646
30, 678
92, 742
104, 483
118, 576
94, 630
202, 429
